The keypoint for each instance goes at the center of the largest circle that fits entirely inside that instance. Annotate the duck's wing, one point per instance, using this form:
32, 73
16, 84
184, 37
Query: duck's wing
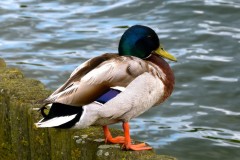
76, 76
82, 70
93, 78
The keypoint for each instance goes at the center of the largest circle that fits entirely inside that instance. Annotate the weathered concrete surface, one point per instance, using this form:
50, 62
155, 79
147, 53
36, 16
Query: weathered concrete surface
19, 139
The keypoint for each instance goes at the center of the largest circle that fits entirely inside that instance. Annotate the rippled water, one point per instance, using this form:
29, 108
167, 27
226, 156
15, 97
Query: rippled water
48, 39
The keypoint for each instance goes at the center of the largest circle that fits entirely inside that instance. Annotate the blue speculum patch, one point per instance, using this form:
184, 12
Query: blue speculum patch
108, 95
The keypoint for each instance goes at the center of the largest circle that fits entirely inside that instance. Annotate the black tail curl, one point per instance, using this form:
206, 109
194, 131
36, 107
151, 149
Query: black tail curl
42, 110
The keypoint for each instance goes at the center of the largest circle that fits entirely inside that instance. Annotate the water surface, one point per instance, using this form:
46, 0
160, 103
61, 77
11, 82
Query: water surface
48, 39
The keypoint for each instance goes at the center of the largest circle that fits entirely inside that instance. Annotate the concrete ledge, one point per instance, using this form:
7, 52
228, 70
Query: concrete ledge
19, 139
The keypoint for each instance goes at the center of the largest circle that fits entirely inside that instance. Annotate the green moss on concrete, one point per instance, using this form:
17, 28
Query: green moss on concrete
20, 139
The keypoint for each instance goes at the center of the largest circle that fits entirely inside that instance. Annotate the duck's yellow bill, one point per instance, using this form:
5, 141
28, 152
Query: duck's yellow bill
160, 51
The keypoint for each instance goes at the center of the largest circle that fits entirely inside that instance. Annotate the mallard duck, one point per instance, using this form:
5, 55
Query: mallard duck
113, 88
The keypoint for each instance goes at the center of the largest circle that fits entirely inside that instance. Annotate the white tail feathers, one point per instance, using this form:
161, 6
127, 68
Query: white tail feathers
54, 122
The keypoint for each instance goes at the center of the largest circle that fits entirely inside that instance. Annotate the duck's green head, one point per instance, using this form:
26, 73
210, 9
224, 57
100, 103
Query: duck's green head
141, 41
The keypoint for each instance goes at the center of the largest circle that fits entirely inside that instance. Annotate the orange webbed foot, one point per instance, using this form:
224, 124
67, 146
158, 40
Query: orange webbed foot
128, 145
136, 147
118, 139
125, 140
109, 138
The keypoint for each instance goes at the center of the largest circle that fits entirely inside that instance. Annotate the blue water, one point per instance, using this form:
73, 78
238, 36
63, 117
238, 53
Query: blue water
48, 39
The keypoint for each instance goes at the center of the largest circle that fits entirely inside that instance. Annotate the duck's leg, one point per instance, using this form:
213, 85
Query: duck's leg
109, 138
128, 145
